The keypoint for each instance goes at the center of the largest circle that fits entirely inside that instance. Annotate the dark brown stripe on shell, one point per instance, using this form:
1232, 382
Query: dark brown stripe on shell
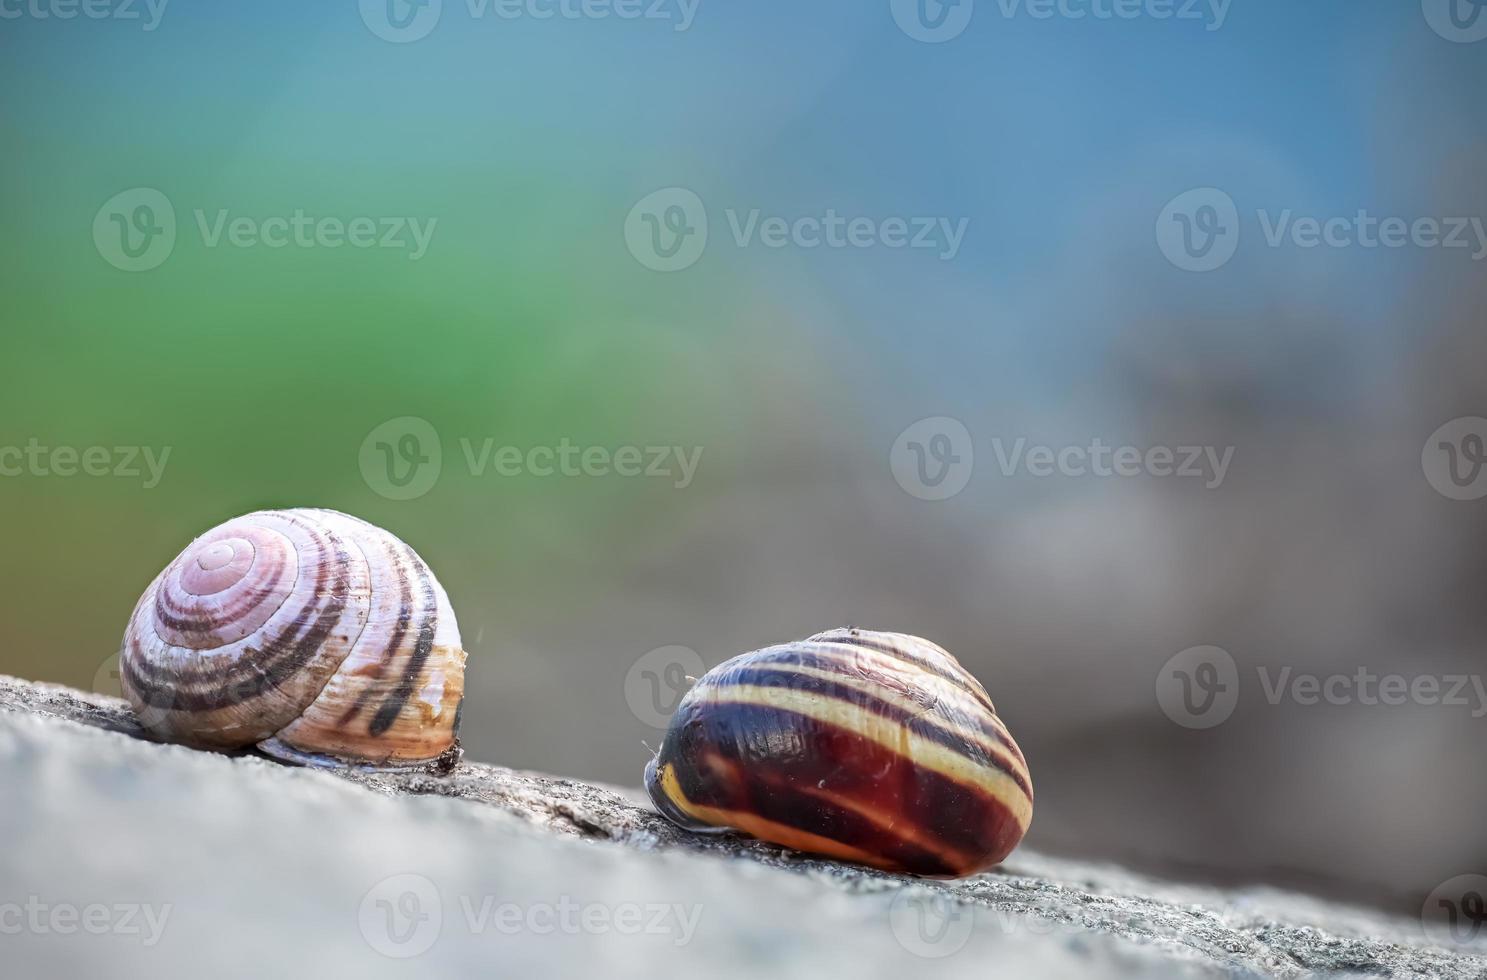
836, 657
996, 729
947, 669
375, 671
932, 725
176, 617
760, 779
393, 705
199, 686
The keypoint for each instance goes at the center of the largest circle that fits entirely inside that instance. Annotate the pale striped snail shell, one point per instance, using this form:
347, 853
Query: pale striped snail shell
313, 635
871, 747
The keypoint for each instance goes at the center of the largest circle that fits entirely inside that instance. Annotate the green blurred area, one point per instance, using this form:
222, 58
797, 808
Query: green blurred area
263, 371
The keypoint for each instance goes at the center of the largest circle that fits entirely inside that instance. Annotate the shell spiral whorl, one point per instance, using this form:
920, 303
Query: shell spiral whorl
871, 747
314, 635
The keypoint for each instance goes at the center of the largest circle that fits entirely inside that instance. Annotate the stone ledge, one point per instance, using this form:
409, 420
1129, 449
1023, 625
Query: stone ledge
1053, 917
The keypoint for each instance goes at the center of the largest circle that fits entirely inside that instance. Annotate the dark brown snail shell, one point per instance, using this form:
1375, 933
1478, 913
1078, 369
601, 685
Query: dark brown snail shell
871, 747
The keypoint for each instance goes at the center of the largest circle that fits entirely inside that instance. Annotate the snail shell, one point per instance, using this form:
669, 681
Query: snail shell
317, 637
871, 747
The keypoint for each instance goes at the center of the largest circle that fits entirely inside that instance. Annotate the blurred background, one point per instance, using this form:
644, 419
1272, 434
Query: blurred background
1050, 230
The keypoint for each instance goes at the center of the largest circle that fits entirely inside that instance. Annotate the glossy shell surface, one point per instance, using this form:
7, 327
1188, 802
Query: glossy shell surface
871, 747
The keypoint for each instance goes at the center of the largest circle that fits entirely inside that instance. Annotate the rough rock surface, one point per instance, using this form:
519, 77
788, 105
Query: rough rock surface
239, 866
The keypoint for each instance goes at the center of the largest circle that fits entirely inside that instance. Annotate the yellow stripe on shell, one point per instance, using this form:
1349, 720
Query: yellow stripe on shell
966, 705
890, 734
910, 650
919, 675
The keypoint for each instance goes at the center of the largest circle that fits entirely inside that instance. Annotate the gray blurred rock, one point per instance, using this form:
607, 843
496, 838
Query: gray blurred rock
134, 859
